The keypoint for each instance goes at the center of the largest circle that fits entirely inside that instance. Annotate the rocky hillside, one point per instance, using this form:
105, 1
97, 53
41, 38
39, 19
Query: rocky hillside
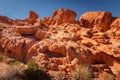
60, 43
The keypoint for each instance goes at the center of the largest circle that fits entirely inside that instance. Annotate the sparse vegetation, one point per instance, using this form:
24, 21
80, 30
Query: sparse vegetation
13, 69
13, 72
82, 73
34, 72
17, 70
60, 76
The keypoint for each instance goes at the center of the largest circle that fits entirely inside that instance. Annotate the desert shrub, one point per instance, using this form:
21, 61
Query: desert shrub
13, 72
34, 72
82, 73
60, 76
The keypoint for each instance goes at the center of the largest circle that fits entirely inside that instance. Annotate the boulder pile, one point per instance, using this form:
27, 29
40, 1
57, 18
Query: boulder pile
60, 42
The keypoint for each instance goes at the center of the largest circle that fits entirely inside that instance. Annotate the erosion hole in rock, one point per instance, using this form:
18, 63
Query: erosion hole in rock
51, 54
27, 35
98, 62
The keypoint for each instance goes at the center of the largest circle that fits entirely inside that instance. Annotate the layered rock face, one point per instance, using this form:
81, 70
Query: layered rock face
60, 42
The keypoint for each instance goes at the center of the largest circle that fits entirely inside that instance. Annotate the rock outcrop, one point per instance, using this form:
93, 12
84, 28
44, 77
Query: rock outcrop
4, 19
59, 17
115, 23
26, 29
32, 18
40, 34
59, 43
100, 20
12, 43
64, 16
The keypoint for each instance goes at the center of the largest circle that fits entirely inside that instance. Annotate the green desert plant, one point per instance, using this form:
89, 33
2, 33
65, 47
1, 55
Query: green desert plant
34, 72
82, 73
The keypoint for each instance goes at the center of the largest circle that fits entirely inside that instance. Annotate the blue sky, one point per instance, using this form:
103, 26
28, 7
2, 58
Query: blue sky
18, 9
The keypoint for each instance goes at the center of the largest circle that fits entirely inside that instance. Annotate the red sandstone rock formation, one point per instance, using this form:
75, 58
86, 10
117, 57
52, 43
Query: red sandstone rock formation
26, 29
60, 17
64, 16
31, 19
59, 43
40, 34
115, 23
4, 19
100, 20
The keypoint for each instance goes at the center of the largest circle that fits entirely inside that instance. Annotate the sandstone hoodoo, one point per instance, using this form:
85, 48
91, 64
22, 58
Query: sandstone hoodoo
61, 43
32, 18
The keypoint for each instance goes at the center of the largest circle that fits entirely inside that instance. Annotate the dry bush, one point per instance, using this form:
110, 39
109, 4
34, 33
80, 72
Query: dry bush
60, 76
13, 72
82, 73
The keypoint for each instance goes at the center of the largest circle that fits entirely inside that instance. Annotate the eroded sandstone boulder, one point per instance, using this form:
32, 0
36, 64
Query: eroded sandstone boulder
26, 29
12, 43
100, 20
47, 46
40, 34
